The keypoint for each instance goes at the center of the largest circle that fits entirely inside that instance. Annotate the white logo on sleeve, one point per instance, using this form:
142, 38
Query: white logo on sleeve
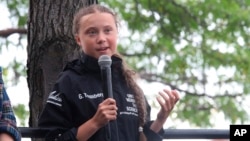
54, 98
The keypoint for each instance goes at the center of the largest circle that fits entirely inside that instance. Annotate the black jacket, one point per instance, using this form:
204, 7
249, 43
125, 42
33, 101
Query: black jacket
75, 99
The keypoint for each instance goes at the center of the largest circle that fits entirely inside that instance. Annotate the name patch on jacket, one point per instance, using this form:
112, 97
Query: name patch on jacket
90, 96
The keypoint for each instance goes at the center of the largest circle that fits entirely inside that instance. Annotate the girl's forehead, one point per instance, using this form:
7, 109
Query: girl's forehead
97, 18
96, 15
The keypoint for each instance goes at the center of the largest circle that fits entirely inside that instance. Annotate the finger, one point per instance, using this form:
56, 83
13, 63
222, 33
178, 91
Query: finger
160, 101
176, 95
167, 99
104, 106
112, 107
111, 114
109, 101
172, 98
163, 103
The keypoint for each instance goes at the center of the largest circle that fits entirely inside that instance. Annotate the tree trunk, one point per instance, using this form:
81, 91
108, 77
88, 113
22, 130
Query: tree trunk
50, 46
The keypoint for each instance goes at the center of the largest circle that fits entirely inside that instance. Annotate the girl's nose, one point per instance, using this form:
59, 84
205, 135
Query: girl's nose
101, 38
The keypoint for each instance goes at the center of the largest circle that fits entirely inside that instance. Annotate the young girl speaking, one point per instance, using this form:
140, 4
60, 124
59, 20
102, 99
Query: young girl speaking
76, 107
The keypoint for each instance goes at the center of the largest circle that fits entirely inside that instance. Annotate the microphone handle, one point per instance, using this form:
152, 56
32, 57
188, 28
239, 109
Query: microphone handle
107, 82
108, 132
108, 93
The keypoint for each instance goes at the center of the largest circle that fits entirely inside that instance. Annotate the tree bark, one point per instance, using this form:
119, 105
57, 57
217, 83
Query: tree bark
50, 46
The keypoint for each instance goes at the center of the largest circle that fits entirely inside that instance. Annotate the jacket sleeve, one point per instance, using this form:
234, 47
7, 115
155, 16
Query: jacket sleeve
57, 116
150, 134
7, 117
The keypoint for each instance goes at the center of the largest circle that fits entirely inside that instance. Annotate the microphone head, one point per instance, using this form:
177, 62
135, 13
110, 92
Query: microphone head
104, 61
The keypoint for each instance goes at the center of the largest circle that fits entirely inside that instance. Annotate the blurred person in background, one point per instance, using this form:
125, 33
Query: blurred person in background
8, 128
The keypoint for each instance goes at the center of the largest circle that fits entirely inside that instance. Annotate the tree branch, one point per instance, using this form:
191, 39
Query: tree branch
156, 78
7, 32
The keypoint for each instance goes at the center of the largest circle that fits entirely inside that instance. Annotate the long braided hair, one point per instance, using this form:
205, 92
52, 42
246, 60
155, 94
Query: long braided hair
130, 77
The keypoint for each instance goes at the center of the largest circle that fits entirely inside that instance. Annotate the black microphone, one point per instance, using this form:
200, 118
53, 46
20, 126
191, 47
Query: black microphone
105, 62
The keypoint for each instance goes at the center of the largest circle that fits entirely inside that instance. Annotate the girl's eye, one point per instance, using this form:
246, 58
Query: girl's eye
107, 30
92, 32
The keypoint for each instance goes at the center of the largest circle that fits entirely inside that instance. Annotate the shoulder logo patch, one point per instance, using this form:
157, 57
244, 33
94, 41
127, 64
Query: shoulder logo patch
54, 98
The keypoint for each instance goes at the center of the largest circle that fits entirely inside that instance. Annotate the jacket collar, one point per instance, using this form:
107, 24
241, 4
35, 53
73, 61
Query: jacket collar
90, 63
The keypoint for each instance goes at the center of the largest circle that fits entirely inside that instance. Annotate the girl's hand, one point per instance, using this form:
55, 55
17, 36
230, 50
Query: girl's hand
107, 110
167, 100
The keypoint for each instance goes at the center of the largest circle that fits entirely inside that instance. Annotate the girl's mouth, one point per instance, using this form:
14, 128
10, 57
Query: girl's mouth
102, 49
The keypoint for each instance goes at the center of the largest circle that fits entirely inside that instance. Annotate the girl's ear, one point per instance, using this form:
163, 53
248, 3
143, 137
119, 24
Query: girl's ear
77, 38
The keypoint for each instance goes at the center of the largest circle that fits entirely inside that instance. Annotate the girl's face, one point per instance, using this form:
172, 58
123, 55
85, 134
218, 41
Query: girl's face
97, 34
